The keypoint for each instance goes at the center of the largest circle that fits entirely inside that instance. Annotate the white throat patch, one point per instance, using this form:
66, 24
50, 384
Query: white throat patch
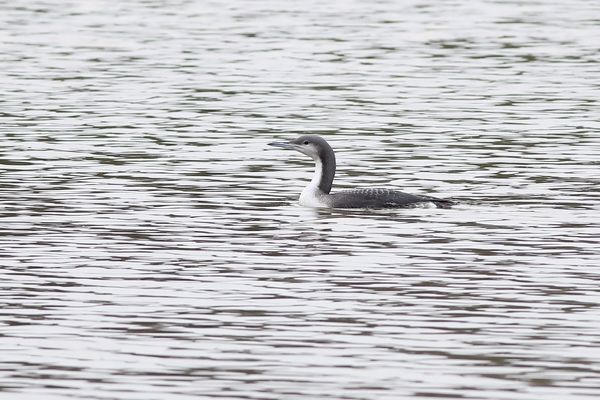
312, 196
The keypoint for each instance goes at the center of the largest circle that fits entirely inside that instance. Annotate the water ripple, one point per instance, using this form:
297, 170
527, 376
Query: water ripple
151, 242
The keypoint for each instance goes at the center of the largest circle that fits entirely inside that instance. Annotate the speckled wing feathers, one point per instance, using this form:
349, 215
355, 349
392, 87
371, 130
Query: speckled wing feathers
382, 198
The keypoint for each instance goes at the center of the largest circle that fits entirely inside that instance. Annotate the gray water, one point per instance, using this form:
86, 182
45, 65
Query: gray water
152, 246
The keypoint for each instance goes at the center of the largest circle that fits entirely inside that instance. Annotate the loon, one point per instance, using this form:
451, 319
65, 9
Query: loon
317, 193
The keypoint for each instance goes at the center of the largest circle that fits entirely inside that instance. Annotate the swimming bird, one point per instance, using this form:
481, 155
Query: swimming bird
317, 193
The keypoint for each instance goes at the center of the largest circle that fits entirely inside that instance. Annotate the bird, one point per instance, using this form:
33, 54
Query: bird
318, 192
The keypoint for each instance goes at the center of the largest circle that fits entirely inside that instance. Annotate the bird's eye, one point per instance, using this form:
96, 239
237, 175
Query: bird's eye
305, 142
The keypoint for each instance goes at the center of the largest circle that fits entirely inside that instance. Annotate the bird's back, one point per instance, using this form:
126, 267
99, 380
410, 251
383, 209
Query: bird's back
382, 198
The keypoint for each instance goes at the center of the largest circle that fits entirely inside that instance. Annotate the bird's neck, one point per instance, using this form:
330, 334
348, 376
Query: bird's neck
317, 191
324, 172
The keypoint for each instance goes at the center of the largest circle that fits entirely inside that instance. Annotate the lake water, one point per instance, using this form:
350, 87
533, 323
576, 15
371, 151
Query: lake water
151, 242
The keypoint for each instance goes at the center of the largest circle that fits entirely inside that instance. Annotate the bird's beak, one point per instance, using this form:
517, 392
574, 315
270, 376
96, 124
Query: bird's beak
283, 145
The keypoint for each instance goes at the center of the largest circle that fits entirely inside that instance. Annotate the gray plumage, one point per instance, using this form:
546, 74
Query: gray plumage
382, 198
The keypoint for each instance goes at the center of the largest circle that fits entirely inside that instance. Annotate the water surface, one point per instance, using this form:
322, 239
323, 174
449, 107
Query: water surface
152, 246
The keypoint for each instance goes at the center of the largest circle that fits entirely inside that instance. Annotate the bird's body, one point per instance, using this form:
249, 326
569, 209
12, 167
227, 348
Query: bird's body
317, 193
383, 198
